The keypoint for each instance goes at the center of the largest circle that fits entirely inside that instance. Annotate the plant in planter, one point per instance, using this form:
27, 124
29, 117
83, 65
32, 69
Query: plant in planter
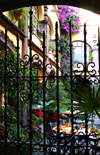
53, 49
34, 27
59, 55
23, 12
40, 33
45, 42
90, 57
50, 50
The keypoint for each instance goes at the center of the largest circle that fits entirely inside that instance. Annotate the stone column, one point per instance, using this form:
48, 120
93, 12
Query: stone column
25, 41
46, 29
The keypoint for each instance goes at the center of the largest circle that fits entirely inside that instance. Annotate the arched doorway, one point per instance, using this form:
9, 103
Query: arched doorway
45, 145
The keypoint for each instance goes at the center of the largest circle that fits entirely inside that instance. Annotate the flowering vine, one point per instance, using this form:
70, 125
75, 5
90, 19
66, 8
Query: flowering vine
69, 13
65, 52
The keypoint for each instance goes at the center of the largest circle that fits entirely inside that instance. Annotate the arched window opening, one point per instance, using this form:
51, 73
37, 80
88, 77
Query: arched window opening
78, 52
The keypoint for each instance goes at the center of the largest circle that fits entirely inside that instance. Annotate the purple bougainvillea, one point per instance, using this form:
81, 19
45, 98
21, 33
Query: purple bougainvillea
69, 13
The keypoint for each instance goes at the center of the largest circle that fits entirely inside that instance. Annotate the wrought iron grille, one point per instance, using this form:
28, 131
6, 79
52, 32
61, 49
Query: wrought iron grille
24, 82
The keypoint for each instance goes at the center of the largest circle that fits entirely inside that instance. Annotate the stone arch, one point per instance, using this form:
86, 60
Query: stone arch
40, 13
81, 41
52, 29
91, 5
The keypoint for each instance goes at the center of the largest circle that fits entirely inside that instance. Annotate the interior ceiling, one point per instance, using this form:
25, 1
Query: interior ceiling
92, 5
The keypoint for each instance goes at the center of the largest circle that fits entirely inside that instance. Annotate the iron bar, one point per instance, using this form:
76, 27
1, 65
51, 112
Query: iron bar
31, 135
18, 90
99, 52
44, 85
71, 75
57, 73
85, 72
5, 116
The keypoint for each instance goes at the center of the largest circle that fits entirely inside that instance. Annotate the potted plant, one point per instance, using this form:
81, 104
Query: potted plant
20, 14
90, 57
45, 42
40, 34
50, 49
34, 27
59, 55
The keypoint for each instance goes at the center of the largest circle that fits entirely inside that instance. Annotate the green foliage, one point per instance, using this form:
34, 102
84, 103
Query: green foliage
86, 102
51, 106
64, 45
40, 33
36, 119
64, 49
51, 93
35, 24
45, 40
11, 114
52, 47
90, 56
25, 14
24, 81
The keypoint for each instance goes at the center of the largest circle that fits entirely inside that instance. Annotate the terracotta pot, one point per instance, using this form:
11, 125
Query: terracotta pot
45, 43
18, 15
41, 38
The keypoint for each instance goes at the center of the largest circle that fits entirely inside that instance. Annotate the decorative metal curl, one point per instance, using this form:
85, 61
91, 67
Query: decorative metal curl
79, 140
95, 79
11, 138
93, 139
49, 66
92, 74
37, 137
37, 149
79, 65
36, 57
52, 138
26, 135
92, 65
51, 81
24, 148
24, 94
50, 76
38, 94
24, 62
80, 151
